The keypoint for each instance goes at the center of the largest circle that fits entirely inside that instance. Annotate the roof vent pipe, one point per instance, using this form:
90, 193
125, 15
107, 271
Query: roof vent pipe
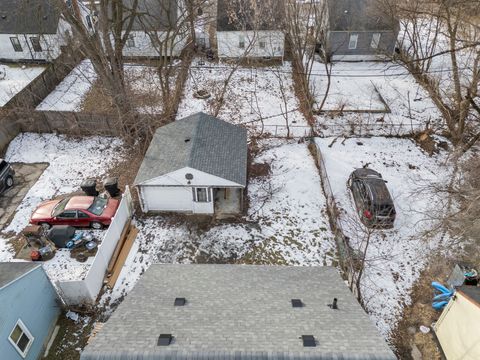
333, 305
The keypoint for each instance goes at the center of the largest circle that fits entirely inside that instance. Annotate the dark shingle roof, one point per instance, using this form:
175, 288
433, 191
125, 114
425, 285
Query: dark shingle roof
201, 142
473, 292
235, 15
238, 312
28, 17
152, 14
358, 15
10, 271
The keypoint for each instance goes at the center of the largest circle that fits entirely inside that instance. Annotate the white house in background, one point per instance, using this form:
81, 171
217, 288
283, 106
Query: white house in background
30, 30
155, 31
251, 29
195, 165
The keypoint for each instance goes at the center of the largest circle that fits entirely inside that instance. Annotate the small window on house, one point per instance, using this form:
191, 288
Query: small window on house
131, 41
16, 44
36, 44
241, 42
352, 43
21, 338
201, 195
375, 40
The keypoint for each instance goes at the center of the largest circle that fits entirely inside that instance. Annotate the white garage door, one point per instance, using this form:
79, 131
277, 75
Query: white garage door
159, 198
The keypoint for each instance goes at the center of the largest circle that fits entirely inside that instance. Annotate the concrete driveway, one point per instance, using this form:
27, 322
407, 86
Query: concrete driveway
25, 176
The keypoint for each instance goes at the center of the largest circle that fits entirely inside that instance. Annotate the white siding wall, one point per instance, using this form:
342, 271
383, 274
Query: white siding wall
173, 192
50, 45
143, 46
228, 44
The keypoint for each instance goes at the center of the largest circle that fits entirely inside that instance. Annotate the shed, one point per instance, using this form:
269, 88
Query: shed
238, 312
359, 30
250, 29
29, 310
457, 327
195, 165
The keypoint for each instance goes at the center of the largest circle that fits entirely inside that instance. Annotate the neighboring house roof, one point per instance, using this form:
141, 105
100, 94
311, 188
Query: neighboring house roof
199, 141
28, 17
234, 15
473, 292
11, 271
238, 312
358, 15
152, 14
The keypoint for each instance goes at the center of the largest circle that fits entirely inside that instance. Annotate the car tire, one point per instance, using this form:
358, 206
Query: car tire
45, 226
96, 225
9, 182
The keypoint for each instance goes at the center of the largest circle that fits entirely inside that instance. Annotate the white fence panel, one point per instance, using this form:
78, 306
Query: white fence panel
86, 290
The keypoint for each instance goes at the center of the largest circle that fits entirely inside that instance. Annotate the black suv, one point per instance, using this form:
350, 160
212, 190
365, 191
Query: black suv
6, 176
372, 199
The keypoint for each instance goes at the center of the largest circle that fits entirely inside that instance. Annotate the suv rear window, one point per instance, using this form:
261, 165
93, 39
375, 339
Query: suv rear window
3, 164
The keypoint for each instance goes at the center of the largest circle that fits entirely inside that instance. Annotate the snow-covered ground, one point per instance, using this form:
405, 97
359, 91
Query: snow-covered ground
70, 94
13, 78
395, 257
71, 160
286, 224
253, 96
353, 88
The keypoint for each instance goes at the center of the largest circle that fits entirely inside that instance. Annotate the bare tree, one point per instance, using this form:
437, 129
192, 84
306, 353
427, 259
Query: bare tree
442, 31
104, 47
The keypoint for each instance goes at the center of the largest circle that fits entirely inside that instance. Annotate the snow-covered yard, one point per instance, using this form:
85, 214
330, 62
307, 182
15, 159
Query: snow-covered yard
70, 160
260, 98
13, 78
72, 92
286, 224
394, 257
358, 87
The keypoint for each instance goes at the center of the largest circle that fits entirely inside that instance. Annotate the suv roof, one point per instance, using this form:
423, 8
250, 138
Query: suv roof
375, 184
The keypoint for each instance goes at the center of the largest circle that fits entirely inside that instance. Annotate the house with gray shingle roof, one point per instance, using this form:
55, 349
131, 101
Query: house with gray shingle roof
359, 30
195, 165
30, 30
181, 312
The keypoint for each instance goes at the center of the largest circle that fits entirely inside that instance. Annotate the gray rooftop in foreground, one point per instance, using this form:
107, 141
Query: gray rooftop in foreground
199, 141
10, 271
238, 312
28, 17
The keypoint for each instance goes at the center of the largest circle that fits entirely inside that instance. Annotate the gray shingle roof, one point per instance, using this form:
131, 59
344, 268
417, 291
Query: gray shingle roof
152, 14
10, 271
358, 15
233, 15
238, 312
213, 146
28, 17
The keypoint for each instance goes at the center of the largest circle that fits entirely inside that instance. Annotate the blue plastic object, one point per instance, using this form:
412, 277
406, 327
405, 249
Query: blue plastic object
440, 287
439, 305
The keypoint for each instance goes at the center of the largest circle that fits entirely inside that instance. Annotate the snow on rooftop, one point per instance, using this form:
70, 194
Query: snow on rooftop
13, 78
